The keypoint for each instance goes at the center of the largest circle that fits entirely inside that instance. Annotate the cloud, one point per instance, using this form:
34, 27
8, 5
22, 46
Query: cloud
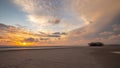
29, 40
51, 14
96, 9
100, 18
7, 28
106, 33
59, 33
42, 11
91, 33
3, 25
114, 37
44, 38
85, 20
55, 21
16, 35
56, 36
116, 27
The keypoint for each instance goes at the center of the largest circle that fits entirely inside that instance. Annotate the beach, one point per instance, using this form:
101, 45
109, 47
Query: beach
61, 57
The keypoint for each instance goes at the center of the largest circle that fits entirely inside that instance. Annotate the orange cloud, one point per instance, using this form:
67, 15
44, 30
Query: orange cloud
13, 35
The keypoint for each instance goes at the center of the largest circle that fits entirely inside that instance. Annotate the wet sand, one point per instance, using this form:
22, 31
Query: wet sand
65, 57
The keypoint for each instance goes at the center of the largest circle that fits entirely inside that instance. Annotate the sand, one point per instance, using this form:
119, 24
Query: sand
71, 57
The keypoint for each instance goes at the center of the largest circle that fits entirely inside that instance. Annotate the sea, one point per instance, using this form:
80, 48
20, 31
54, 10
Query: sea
11, 48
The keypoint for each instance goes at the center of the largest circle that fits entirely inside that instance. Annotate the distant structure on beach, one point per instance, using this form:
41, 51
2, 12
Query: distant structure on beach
96, 44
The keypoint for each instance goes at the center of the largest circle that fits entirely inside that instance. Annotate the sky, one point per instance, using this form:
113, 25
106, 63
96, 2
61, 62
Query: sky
59, 22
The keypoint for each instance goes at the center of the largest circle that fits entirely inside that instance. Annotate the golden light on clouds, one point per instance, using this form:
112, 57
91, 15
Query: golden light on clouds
24, 37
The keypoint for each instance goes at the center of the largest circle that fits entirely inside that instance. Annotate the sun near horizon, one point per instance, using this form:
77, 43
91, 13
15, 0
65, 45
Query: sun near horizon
23, 44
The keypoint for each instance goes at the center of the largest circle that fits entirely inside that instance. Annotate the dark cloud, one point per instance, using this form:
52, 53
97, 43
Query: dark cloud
63, 33
8, 28
54, 21
59, 33
56, 36
5, 29
29, 40
3, 25
44, 38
